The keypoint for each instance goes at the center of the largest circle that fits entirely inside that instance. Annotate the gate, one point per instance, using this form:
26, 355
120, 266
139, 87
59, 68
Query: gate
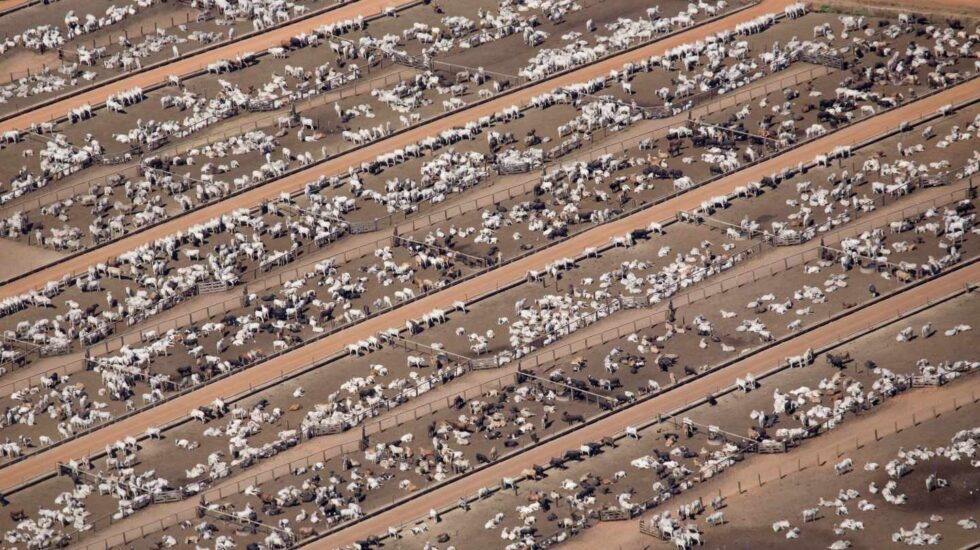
483, 363
823, 59
210, 287
513, 168
927, 381
257, 105
656, 112
167, 496
613, 514
780, 240
634, 302
117, 158
410, 60
933, 180
649, 528
563, 148
328, 429
771, 446
49, 350
356, 228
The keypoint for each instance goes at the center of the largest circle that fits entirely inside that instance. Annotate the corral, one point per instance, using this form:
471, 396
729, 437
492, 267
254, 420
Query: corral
407, 264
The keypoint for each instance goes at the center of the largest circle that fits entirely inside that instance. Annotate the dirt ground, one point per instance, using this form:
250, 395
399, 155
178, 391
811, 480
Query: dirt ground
21, 257
172, 19
749, 517
245, 195
382, 322
329, 125
507, 251
685, 345
731, 215
964, 312
730, 413
754, 512
951, 504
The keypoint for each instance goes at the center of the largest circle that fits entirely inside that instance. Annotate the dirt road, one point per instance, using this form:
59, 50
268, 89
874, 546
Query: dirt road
771, 468
339, 165
8, 5
234, 385
155, 76
666, 402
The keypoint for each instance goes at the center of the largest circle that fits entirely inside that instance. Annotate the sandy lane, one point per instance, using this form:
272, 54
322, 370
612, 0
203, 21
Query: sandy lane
196, 62
269, 371
645, 411
769, 468
8, 5
369, 153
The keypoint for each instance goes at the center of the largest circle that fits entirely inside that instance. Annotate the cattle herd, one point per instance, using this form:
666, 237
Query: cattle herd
515, 273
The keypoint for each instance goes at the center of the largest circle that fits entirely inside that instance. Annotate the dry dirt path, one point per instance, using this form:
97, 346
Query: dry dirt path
10, 4
273, 189
21, 257
896, 413
669, 401
148, 78
271, 370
